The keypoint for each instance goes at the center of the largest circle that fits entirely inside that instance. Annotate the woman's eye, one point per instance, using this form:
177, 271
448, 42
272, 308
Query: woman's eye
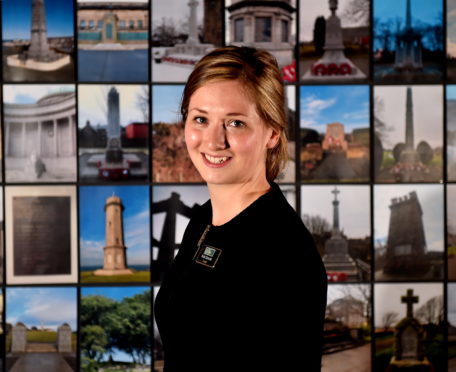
200, 120
237, 123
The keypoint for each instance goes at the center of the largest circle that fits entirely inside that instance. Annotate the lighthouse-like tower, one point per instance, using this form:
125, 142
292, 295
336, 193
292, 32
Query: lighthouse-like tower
115, 258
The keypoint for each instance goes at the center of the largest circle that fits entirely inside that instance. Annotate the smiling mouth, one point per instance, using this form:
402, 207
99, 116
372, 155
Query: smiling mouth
216, 159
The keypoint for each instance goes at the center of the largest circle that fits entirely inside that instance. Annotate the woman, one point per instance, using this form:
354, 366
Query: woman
247, 290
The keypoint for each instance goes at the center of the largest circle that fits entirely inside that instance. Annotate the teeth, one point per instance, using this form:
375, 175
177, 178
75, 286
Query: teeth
216, 160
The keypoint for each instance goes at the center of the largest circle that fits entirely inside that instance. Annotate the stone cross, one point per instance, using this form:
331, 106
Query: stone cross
335, 192
335, 212
333, 6
409, 299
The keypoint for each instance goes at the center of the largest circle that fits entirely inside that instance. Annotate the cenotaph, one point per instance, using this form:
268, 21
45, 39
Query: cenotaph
19, 338
64, 339
408, 341
39, 56
115, 258
334, 65
336, 257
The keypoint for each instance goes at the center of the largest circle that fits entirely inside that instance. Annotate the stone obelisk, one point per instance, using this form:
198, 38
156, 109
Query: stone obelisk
115, 258
39, 47
409, 155
114, 152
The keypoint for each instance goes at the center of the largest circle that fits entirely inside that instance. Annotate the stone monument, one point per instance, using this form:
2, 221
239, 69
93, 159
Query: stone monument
334, 64
115, 258
114, 152
19, 338
39, 56
336, 257
64, 339
408, 340
406, 244
409, 154
408, 46
335, 138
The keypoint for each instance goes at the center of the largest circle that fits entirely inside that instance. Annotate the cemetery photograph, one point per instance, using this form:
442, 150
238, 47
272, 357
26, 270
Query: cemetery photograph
451, 132
172, 208
338, 217
38, 40
408, 232
409, 327
115, 329
269, 25
451, 40
334, 41
181, 38
113, 39
40, 133
451, 230
347, 328
451, 316
334, 131
41, 335
41, 234
408, 125
114, 234
113, 133
408, 41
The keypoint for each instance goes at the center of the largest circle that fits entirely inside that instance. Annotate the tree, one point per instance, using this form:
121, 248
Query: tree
165, 33
93, 342
389, 319
142, 102
431, 311
316, 224
357, 11
319, 34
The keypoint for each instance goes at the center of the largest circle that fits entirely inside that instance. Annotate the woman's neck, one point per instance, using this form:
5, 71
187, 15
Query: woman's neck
228, 201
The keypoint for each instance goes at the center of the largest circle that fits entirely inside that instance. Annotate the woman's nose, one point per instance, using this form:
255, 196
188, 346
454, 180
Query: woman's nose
216, 137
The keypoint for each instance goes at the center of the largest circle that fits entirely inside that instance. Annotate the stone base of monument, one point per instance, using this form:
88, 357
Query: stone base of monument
16, 61
333, 66
97, 162
410, 365
184, 54
110, 272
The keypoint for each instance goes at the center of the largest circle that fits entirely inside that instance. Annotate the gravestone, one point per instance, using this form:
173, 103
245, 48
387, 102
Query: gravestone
19, 338
64, 339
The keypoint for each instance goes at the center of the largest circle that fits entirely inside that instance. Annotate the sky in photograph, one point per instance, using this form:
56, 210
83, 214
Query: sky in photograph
354, 206
311, 9
166, 103
451, 211
17, 18
427, 114
49, 307
451, 28
24, 93
422, 10
189, 195
175, 10
326, 104
431, 201
387, 298
452, 303
136, 222
93, 103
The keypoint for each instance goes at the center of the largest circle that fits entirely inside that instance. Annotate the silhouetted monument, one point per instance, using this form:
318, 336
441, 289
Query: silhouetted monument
406, 245
408, 340
115, 258
409, 155
336, 258
334, 63
408, 46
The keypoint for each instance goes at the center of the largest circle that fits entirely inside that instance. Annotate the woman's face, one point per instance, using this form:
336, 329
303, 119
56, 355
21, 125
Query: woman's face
226, 139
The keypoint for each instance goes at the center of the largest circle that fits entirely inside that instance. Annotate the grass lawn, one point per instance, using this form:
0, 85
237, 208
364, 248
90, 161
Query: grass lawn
137, 277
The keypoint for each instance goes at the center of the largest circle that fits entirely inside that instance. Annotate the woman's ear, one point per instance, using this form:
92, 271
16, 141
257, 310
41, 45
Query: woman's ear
273, 138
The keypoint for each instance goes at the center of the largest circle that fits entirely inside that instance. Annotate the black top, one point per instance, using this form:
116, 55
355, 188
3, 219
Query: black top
252, 297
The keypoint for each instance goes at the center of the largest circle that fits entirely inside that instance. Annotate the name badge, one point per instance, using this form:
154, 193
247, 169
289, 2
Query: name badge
208, 255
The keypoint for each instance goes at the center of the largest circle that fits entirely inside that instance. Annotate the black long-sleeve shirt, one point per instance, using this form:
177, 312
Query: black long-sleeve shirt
249, 295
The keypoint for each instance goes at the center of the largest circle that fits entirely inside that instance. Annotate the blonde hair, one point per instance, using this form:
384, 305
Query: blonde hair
258, 72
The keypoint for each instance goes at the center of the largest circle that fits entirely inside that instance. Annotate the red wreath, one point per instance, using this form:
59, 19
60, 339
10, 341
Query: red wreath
345, 69
319, 69
333, 69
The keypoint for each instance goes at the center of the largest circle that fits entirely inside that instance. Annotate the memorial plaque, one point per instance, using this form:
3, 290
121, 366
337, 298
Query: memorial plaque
409, 344
42, 235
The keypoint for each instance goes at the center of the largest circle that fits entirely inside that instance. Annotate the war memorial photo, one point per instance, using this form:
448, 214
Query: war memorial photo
180, 39
39, 133
115, 329
409, 327
41, 234
408, 124
408, 41
113, 133
334, 133
409, 232
38, 40
113, 40
41, 335
339, 219
451, 40
334, 41
451, 230
114, 233
451, 132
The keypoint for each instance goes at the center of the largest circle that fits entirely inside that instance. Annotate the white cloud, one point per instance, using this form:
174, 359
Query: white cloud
33, 92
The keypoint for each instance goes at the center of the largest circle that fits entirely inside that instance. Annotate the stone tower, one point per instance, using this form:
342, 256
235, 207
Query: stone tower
39, 47
114, 152
115, 258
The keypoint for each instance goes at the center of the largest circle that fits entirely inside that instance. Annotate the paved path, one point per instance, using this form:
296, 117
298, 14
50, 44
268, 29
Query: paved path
41, 362
352, 360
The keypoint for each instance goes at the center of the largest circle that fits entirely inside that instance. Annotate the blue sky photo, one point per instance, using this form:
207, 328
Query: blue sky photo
325, 104
26, 305
17, 18
136, 223
423, 11
166, 103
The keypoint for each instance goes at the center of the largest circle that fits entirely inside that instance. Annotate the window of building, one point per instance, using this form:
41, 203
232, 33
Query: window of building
122, 24
263, 29
132, 25
285, 31
100, 24
82, 24
239, 30
140, 24
91, 23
